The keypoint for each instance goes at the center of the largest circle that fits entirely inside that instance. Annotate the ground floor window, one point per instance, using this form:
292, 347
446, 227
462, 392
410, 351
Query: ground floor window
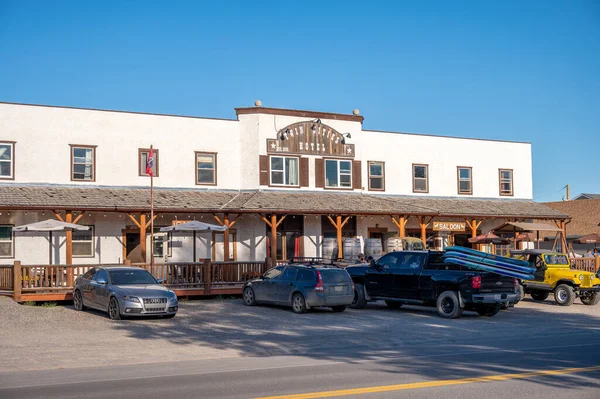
7, 242
162, 243
83, 243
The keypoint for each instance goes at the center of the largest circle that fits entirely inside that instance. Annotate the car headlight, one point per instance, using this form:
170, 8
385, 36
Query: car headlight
581, 277
592, 277
131, 298
173, 299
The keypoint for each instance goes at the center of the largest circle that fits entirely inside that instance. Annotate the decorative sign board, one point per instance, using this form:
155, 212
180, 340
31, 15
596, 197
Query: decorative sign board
449, 226
310, 138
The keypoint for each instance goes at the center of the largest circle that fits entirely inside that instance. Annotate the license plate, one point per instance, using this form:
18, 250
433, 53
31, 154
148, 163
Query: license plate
339, 288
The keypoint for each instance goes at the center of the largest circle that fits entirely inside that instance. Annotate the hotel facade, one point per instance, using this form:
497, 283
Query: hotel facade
281, 180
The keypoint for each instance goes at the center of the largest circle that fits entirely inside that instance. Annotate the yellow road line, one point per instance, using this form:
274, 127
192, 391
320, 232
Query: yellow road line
429, 384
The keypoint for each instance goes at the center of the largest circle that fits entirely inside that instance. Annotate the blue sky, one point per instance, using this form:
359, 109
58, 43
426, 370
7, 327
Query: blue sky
511, 70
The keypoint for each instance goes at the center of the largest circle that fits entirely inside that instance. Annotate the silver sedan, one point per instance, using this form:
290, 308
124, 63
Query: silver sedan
124, 291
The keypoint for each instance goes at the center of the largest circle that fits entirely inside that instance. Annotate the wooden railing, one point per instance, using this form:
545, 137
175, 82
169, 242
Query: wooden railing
586, 264
6, 277
52, 279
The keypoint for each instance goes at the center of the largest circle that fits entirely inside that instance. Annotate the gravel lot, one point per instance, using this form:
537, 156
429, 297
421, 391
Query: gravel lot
59, 337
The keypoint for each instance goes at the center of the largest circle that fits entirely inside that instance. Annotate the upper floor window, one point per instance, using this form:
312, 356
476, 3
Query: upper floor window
506, 182
7, 242
83, 163
83, 243
376, 176
206, 168
284, 171
465, 180
338, 173
7, 160
143, 154
420, 178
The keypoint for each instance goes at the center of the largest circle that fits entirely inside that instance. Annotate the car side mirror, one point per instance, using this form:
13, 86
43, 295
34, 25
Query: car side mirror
160, 280
103, 282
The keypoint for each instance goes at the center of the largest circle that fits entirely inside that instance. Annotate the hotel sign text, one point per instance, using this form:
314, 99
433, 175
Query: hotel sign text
310, 138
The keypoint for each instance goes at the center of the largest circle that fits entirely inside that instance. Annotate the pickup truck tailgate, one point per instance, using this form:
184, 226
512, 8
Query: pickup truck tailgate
491, 282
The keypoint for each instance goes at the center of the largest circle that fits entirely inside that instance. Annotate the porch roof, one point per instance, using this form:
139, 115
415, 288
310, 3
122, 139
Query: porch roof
30, 197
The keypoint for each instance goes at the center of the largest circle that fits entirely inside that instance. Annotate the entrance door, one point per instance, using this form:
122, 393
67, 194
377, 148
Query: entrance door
132, 250
218, 253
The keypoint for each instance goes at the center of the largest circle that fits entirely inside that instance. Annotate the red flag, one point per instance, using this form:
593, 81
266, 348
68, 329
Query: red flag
150, 163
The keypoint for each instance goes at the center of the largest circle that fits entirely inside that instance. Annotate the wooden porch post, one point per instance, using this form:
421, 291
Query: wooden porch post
474, 225
17, 284
226, 237
273, 224
424, 226
596, 264
339, 225
401, 224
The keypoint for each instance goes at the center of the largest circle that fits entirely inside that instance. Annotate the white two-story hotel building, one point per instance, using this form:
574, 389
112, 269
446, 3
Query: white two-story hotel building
280, 179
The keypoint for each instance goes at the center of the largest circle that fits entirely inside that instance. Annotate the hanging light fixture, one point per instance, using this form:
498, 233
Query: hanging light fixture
344, 135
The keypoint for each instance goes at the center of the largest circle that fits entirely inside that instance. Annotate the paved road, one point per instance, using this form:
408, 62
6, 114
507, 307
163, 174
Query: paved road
222, 349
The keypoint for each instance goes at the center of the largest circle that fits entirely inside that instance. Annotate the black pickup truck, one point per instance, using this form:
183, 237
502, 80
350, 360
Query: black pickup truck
423, 278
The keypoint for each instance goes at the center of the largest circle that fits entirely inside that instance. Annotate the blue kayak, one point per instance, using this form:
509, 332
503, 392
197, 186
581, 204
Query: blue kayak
491, 262
487, 268
472, 252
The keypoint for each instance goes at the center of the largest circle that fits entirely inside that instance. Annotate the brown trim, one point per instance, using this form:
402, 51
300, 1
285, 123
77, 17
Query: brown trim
196, 167
325, 174
87, 146
369, 175
264, 170
458, 168
270, 171
114, 110
147, 150
319, 173
12, 159
357, 175
426, 178
299, 113
512, 182
304, 172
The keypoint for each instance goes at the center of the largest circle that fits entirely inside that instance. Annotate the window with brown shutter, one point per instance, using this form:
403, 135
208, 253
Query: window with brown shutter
356, 175
319, 173
264, 170
303, 172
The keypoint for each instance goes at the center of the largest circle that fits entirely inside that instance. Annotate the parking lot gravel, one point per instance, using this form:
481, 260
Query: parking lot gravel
34, 337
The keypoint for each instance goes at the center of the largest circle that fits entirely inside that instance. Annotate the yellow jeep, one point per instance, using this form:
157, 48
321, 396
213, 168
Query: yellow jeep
554, 275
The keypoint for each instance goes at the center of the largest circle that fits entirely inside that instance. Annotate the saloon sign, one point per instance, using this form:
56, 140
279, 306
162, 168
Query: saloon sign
449, 226
310, 138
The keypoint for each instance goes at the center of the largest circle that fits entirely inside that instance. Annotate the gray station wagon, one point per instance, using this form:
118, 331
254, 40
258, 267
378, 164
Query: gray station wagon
123, 291
302, 287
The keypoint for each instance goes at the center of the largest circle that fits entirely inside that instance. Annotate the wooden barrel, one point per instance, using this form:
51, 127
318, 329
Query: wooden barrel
330, 248
393, 244
373, 248
351, 248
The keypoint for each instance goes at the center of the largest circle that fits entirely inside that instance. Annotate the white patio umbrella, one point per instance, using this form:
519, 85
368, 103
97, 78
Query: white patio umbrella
50, 225
195, 227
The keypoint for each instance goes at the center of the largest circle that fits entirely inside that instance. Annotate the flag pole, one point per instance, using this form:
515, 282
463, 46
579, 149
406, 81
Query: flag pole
152, 212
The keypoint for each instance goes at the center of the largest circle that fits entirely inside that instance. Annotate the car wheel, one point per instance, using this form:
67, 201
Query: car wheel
488, 311
114, 313
78, 301
249, 298
591, 299
359, 301
448, 305
564, 295
539, 295
393, 305
298, 303
338, 309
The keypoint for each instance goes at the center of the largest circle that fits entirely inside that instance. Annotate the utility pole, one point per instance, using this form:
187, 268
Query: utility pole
568, 197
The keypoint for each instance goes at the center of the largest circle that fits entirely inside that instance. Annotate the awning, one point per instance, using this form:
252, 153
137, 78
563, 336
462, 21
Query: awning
523, 226
171, 200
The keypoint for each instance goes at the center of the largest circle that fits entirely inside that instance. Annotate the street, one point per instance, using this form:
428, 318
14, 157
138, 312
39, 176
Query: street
535, 350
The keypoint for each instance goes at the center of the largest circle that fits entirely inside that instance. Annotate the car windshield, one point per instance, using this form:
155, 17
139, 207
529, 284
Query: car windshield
128, 277
556, 259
